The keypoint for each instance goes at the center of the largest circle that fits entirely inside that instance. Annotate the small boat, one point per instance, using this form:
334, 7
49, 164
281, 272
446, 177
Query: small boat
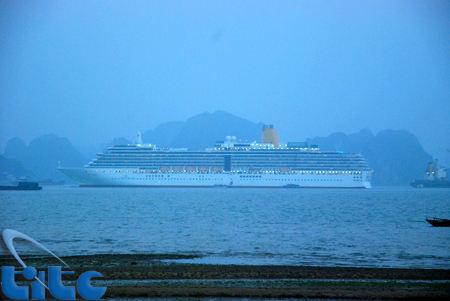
220, 186
439, 222
291, 186
23, 186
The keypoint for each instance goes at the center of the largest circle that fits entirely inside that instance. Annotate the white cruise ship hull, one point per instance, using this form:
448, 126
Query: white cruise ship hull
87, 177
228, 164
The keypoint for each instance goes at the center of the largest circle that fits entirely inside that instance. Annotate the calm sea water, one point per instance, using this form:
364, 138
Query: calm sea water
379, 227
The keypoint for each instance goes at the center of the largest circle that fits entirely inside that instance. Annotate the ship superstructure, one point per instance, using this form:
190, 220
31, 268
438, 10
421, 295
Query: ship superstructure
228, 163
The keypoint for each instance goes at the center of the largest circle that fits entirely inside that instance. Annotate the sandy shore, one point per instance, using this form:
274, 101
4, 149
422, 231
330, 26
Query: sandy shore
147, 276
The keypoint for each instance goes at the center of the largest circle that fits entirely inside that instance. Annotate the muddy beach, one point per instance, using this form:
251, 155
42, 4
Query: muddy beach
150, 276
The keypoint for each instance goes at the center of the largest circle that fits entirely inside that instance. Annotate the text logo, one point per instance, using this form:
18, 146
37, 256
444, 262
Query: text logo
55, 286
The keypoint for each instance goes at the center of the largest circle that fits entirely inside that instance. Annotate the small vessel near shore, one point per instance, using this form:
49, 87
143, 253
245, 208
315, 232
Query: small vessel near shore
439, 222
24, 185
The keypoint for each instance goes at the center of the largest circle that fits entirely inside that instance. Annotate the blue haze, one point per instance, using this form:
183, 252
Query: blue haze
92, 71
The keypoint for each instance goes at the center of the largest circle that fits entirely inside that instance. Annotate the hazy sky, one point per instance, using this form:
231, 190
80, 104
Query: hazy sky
95, 70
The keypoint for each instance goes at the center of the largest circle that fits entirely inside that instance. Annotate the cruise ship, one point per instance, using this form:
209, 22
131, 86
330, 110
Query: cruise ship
228, 163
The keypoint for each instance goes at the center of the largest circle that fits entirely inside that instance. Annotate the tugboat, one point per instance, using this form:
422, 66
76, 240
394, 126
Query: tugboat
22, 185
434, 178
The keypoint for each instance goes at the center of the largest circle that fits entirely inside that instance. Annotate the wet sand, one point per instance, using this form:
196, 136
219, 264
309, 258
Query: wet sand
147, 276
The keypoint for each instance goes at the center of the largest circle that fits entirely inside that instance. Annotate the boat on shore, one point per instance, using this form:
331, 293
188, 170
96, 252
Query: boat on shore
22, 186
439, 222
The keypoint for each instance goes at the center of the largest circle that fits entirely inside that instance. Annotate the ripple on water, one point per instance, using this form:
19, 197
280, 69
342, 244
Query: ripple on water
378, 227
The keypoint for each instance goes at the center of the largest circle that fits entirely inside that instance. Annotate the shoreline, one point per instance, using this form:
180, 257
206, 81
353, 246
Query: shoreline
151, 276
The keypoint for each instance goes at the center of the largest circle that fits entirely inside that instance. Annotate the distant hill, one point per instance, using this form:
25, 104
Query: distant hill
163, 134
201, 131
12, 170
43, 156
117, 141
397, 157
